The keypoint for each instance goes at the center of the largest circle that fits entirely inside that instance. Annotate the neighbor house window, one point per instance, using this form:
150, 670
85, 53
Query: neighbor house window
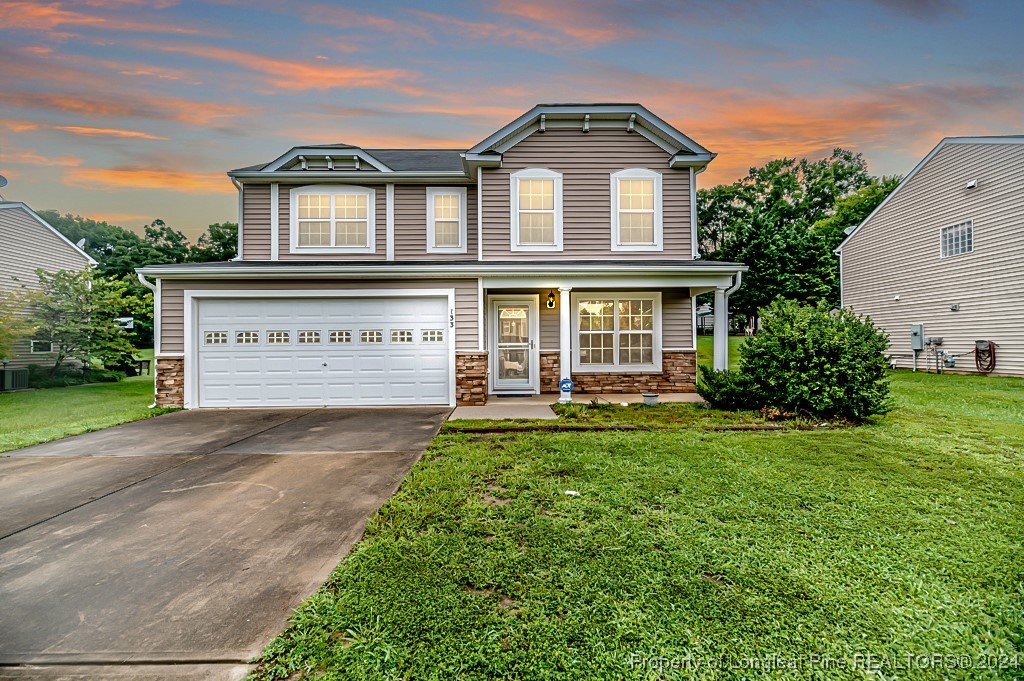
536, 203
617, 332
636, 210
40, 347
332, 218
957, 239
446, 220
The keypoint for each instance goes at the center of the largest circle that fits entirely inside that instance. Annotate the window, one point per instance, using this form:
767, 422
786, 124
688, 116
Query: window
401, 336
309, 336
339, 336
536, 203
957, 239
636, 210
40, 347
278, 337
216, 338
374, 336
617, 332
432, 336
330, 218
247, 337
446, 220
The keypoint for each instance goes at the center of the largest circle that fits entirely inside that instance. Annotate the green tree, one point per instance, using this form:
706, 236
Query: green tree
169, 245
77, 311
218, 243
768, 220
14, 327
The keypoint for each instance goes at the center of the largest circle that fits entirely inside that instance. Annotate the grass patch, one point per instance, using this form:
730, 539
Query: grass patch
35, 416
902, 536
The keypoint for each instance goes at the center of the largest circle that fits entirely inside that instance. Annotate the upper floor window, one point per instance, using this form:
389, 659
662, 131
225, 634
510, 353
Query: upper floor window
332, 218
957, 239
536, 202
446, 220
636, 210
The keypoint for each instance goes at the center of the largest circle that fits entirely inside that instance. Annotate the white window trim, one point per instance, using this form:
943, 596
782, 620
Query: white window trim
534, 174
659, 232
333, 189
655, 366
32, 347
432, 193
970, 224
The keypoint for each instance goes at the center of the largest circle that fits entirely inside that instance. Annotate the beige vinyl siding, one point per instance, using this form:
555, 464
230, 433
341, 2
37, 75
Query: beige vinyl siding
29, 246
586, 161
411, 224
549, 325
256, 222
172, 310
380, 227
898, 253
676, 320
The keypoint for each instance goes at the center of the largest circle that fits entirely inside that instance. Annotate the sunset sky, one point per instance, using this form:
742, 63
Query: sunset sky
129, 110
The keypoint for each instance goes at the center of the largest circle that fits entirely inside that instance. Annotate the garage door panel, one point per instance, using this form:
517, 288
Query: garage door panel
247, 370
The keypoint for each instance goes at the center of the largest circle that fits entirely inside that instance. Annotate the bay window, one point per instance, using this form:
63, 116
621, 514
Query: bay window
332, 218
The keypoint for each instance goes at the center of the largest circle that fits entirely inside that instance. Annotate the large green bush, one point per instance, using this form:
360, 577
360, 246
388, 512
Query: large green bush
808, 360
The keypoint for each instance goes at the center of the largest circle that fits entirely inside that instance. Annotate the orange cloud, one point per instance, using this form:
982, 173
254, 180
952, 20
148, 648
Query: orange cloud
128, 106
107, 132
53, 17
577, 21
296, 75
348, 18
19, 126
30, 157
486, 30
137, 177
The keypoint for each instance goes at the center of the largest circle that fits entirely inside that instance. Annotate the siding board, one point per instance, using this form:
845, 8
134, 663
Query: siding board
411, 224
256, 222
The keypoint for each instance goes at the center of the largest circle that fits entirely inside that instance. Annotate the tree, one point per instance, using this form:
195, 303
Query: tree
218, 243
77, 311
169, 245
14, 327
777, 221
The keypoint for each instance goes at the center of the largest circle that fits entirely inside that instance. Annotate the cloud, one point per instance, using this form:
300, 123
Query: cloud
193, 112
584, 23
137, 177
19, 125
297, 75
57, 20
344, 17
106, 132
15, 156
922, 9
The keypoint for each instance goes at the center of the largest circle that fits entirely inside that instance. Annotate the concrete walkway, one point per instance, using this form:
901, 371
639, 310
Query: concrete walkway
539, 406
177, 547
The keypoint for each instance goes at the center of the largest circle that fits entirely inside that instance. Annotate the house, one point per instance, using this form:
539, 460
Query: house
945, 250
562, 246
31, 243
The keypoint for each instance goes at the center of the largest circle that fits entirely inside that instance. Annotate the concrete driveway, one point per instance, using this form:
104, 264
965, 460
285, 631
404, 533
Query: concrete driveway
177, 547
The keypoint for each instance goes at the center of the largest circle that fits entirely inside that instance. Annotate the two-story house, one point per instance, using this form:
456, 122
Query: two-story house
944, 254
561, 246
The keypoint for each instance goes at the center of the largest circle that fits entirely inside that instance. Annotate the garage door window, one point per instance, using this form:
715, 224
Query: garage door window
247, 337
278, 337
216, 338
340, 336
401, 336
309, 336
433, 336
371, 336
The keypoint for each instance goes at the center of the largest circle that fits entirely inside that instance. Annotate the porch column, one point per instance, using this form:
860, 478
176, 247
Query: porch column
564, 338
721, 329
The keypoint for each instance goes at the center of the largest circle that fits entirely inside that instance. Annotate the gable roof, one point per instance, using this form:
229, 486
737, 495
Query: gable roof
14, 205
1000, 139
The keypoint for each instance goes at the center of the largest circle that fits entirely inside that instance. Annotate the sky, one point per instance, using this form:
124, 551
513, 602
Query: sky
131, 110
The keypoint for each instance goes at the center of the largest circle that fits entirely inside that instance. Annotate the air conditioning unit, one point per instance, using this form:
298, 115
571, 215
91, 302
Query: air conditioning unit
13, 379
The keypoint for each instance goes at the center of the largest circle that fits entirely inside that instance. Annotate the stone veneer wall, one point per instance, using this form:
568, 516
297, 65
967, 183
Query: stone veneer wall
170, 382
470, 378
678, 375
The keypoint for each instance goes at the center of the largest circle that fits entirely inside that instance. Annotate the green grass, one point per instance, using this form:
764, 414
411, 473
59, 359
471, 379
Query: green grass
706, 350
902, 536
34, 416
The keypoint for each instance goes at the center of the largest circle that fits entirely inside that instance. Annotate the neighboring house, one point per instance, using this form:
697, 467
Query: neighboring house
30, 243
562, 245
946, 250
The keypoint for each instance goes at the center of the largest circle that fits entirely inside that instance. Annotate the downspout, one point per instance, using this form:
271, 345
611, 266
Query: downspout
152, 287
238, 186
728, 292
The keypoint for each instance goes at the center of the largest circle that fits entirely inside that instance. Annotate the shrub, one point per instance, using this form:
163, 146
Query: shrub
725, 389
812, 361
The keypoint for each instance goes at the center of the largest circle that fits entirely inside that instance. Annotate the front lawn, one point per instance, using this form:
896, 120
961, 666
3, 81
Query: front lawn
688, 547
34, 416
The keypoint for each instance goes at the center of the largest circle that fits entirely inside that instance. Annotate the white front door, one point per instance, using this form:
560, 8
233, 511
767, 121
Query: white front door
269, 352
515, 355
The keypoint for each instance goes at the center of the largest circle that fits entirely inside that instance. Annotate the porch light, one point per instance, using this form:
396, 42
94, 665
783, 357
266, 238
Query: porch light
551, 300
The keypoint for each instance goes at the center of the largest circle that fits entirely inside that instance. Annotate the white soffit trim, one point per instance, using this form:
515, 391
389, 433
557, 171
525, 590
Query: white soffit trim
1009, 139
47, 225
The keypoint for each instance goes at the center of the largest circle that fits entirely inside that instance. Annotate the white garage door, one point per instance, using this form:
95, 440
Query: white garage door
323, 351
